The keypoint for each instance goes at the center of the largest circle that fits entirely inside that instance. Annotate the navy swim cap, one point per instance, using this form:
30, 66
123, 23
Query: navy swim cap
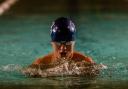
63, 29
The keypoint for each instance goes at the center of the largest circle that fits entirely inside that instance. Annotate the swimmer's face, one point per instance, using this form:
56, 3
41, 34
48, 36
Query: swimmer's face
63, 50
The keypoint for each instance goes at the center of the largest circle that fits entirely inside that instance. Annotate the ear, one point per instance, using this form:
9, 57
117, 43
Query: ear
52, 43
74, 42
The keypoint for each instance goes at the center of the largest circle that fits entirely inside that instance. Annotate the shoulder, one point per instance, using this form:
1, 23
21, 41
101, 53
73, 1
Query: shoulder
42, 60
78, 55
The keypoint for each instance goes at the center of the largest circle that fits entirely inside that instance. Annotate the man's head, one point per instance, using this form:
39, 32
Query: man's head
63, 37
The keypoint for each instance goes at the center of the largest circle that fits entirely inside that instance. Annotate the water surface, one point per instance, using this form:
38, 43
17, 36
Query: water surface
103, 37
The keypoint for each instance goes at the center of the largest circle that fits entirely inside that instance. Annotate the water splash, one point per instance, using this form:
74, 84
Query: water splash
10, 67
67, 68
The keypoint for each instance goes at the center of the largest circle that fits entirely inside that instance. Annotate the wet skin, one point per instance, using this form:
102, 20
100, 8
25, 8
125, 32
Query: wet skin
64, 50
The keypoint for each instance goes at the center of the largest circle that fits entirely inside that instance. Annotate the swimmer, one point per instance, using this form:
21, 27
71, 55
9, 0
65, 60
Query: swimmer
62, 40
64, 60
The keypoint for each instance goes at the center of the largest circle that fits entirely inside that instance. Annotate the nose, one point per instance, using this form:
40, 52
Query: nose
63, 48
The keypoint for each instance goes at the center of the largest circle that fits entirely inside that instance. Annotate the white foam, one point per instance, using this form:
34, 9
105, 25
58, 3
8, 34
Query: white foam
65, 69
10, 67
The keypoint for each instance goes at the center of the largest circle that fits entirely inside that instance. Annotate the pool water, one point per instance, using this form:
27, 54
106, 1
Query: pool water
101, 36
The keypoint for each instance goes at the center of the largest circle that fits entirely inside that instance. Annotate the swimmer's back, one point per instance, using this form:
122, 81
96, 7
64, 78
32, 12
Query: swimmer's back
49, 58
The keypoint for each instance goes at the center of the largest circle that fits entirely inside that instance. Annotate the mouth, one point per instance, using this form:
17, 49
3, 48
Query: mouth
63, 54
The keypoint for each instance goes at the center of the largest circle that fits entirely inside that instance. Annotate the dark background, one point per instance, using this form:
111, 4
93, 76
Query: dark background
67, 6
